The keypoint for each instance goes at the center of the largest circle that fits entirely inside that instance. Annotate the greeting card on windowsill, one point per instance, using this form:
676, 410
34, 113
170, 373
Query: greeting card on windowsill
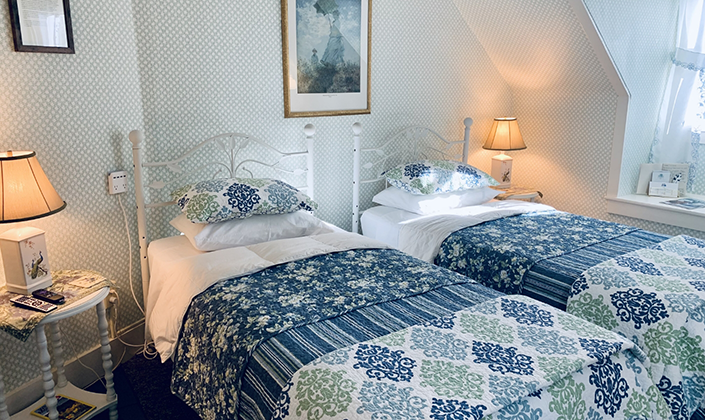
678, 174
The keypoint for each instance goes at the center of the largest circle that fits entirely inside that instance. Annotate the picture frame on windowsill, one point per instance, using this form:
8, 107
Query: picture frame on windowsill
42, 26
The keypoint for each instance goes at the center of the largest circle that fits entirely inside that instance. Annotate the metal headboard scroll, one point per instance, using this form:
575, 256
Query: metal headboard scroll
229, 148
411, 148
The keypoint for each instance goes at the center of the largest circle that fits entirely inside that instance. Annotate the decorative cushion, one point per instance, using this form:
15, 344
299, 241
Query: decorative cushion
437, 176
429, 204
218, 200
253, 230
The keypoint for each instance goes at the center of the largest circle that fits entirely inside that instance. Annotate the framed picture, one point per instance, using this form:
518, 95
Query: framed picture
42, 26
326, 57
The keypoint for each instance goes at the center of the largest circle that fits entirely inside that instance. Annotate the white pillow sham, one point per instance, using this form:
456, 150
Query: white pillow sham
253, 230
429, 204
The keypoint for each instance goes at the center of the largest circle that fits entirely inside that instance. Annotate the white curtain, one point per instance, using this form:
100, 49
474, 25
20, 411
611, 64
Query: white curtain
682, 116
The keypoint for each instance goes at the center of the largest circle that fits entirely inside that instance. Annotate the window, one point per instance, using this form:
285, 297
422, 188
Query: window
682, 117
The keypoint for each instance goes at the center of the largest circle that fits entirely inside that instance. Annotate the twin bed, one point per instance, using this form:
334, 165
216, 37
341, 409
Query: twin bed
639, 284
329, 324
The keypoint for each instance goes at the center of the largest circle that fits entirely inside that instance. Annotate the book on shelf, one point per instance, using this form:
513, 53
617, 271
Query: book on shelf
68, 408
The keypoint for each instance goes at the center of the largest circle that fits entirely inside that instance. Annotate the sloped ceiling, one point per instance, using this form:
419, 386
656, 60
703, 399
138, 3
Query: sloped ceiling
562, 97
537, 45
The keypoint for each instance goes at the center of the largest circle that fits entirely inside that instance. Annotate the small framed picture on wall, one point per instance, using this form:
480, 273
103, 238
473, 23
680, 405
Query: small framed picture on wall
42, 26
326, 57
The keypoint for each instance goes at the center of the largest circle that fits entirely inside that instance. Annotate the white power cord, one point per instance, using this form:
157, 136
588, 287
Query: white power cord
146, 347
73, 350
148, 350
129, 247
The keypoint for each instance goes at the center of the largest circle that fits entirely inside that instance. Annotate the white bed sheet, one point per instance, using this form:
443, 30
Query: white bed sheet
422, 236
383, 223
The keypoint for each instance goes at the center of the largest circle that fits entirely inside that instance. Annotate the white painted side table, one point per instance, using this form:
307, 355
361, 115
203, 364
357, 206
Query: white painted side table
63, 386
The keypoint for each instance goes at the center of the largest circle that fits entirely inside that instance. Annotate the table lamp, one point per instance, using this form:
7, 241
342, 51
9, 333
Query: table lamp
25, 194
504, 135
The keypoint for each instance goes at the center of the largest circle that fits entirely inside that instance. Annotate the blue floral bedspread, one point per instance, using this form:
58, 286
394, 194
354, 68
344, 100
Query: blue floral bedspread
500, 253
225, 325
656, 297
507, 358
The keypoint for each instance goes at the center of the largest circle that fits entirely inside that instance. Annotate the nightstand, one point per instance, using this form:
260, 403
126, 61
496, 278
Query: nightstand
518, 193
63, 386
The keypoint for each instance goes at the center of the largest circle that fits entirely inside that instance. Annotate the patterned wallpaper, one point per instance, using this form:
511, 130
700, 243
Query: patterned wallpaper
427, 68
75, 111
183, 71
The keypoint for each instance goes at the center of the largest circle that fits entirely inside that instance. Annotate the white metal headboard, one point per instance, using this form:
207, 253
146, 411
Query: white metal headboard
230, 144
410, 151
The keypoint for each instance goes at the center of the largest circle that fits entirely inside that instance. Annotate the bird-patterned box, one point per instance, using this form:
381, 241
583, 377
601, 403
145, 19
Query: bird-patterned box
24, 256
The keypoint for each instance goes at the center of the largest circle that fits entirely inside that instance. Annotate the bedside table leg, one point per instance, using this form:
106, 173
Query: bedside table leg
107, 359
3, 407
45, 362
58, 355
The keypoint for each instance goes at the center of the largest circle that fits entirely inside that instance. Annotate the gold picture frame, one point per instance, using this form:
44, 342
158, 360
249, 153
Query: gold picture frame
327, 98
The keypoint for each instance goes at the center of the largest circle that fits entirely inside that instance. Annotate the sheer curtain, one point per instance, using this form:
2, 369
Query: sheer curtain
682, 116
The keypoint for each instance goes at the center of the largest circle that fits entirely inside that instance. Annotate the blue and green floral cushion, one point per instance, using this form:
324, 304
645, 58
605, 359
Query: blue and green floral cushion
437, 176
218, 200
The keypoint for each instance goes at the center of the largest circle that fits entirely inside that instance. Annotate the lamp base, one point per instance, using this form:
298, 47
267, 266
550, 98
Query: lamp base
29, 288
502, 169
25, 259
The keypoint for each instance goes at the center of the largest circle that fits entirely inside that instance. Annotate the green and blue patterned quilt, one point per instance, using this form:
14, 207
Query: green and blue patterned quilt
507, 358
243, 340
655, 297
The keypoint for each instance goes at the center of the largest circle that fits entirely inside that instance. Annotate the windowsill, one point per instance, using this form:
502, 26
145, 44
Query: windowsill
652, 209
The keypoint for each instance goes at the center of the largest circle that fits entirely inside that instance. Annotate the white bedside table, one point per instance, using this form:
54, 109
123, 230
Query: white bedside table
63, 386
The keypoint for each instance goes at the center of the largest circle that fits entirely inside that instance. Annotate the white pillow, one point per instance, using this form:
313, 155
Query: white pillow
429, 204
253, 230
187, 227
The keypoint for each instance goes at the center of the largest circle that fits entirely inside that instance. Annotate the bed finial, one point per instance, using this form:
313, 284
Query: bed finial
309, 130
137, 138
468, 122
357, 128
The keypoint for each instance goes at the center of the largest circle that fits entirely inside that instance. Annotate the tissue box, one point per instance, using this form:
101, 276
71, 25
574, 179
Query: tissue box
24, 255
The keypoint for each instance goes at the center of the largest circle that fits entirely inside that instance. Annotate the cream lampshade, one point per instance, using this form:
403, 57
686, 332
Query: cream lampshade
504, 135
25, 194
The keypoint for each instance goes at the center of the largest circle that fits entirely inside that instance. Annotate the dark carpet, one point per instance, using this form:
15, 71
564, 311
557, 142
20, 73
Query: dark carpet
143, 392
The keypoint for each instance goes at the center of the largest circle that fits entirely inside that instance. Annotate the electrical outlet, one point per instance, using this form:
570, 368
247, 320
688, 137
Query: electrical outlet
111, 313
117, 182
